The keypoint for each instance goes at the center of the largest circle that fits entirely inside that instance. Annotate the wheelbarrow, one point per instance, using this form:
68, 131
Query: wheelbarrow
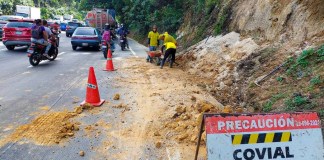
155, 57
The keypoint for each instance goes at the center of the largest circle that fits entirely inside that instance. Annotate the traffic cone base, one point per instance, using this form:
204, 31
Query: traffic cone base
94, 104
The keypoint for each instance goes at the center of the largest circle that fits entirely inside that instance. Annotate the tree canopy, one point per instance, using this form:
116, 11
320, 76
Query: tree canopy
49, 8
140, 15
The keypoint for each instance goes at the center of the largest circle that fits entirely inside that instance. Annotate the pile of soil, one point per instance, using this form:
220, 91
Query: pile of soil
165, 109
46, 129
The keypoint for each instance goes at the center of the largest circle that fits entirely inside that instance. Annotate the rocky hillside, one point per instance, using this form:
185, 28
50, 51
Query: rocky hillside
253, 39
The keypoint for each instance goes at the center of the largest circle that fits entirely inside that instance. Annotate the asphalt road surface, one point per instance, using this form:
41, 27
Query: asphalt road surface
24, 88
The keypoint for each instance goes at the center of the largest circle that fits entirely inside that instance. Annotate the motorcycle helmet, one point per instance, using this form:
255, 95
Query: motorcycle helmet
107, 26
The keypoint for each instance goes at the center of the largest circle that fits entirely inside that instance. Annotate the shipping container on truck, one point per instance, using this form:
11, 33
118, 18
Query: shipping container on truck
97, 18
35, 13
28, 12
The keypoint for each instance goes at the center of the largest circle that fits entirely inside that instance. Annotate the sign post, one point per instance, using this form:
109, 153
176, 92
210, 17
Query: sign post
296, 136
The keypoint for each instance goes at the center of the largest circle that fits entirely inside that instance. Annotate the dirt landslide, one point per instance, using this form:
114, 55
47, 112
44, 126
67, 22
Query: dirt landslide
164, 113
47, 129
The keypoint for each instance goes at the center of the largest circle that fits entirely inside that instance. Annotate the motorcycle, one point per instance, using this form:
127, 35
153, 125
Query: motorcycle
57, 36
113, 35
123, 41
36, 51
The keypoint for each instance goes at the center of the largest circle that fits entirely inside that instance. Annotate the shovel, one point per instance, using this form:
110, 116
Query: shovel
262, 78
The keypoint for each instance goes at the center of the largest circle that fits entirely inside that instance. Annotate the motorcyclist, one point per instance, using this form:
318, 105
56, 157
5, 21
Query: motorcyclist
40, 36
112, 32
49, 33
107, 37
123, 31
152, 41
56, 27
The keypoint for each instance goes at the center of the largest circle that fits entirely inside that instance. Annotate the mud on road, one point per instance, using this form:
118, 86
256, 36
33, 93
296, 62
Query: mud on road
162, 111
150, 113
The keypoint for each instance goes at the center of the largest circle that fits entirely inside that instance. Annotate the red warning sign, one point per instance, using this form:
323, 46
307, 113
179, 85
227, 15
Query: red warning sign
253, 123
295, 136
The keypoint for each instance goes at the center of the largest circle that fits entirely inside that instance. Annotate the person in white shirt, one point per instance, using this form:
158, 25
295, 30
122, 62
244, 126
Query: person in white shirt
50, 35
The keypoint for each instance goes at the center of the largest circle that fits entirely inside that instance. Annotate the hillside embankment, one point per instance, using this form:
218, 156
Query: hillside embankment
254, 39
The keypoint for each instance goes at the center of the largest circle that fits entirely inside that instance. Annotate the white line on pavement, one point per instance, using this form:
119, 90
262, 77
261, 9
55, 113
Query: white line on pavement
61, 53
132, 51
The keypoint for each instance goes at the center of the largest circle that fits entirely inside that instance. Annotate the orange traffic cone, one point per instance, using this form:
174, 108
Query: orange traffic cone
109, 64
92, 95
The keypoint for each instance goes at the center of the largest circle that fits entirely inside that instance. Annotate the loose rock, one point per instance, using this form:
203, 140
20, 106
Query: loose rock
158, 145
156, 133
78, 110
227, 109
180, 110
81, 153
116, 96
182, 137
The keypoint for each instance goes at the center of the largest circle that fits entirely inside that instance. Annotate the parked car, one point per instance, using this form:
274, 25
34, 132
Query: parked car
70, 28
63, 26
86, 37
17, 33
7, 17
2, 24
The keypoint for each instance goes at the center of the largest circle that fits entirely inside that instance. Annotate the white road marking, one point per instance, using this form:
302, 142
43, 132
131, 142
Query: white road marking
173, 156
132, 51
3, 49
118, 58
61, 53
26, 72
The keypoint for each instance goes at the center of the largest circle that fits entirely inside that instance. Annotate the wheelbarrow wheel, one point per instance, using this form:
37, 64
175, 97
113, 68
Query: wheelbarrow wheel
158, 61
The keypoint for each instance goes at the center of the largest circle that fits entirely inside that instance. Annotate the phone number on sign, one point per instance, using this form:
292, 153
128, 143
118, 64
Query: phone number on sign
309, 123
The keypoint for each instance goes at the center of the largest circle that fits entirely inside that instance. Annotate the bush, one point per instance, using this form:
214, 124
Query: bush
267, 107
299, 102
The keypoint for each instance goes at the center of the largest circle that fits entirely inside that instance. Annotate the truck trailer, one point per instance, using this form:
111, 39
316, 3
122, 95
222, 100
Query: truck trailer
28, 12
97, 18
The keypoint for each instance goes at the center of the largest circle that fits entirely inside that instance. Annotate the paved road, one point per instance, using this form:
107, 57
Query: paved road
23, 89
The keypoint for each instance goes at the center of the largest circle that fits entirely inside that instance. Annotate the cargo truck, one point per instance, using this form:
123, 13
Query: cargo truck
28, 12
68, 17
97, 18
58, 18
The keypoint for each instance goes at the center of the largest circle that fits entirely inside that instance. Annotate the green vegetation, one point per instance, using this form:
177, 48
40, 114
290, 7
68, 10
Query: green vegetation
220, 24
48, 8
300, 63
267, 107
211, 4
299, 103
320, 54
321, 113
306, 69
280, 79
315, 81
140, 15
